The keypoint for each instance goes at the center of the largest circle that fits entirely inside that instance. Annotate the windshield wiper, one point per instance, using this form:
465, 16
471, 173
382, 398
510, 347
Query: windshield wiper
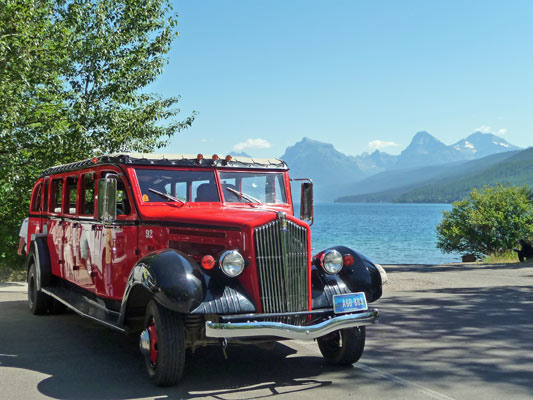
166, 196
244, 196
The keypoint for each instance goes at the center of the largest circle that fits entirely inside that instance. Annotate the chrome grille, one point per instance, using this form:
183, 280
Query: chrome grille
281, 250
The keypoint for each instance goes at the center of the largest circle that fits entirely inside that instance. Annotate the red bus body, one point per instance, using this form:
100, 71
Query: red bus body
154, 240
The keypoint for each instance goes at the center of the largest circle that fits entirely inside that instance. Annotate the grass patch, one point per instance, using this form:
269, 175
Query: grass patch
509, 257
12, 275
13, 270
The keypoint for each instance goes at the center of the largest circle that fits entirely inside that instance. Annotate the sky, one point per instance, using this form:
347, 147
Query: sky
362, 75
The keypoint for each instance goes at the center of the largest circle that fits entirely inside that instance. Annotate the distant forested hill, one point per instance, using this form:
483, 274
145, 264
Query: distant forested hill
515, 170
388, 185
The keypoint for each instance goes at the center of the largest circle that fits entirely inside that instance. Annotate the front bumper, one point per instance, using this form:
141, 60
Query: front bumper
230, 330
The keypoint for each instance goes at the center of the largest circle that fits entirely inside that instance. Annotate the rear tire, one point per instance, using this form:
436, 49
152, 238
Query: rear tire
38, 302
166, 361
343, 347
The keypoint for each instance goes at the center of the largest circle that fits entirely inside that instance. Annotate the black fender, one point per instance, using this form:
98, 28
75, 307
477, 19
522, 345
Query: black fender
171, 278
225, 296
177, 282
40, 255
362, 276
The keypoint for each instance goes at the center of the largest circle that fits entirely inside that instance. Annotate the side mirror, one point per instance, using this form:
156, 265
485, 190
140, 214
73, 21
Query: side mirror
306, 202
107, 199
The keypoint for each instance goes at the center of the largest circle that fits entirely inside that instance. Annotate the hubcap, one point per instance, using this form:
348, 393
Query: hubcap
144, 343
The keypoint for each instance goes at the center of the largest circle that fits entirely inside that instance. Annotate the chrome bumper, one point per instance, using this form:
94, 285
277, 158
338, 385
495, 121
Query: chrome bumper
230, 330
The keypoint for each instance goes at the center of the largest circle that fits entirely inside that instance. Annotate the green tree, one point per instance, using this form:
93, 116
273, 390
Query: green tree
73, 84
488, 221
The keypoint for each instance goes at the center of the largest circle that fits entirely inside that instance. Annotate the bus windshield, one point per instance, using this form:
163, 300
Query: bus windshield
179, 185
253, 187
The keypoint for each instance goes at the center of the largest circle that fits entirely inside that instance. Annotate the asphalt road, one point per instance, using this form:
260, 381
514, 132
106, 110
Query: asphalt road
446, 332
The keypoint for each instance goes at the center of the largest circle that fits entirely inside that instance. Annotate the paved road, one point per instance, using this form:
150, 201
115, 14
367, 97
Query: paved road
446, 332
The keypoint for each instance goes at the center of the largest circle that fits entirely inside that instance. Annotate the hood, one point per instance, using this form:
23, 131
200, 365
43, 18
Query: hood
211, 214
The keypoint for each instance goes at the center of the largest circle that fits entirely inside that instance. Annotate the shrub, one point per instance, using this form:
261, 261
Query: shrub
487, 221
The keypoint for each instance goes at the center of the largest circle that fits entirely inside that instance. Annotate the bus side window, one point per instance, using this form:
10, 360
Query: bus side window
36, 198
123, 203
72, 193
57, 191
45, 199
87, 192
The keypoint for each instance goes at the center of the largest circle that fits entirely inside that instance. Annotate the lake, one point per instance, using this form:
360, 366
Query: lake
386, 233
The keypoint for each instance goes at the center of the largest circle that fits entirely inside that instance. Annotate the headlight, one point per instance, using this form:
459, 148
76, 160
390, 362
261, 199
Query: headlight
332, 262
231, 263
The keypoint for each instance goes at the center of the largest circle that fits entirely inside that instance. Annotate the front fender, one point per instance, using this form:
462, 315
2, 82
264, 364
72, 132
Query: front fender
173, 279
362, 276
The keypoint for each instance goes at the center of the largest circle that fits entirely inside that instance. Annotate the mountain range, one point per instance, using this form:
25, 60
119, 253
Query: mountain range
380, 176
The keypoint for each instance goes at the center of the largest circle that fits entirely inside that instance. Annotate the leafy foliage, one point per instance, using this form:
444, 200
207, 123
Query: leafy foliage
73, 78
488, 221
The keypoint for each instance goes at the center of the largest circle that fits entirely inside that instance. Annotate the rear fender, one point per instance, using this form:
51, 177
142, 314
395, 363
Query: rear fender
40, 255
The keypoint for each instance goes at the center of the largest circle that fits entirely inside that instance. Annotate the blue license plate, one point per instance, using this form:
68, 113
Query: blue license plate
343, 303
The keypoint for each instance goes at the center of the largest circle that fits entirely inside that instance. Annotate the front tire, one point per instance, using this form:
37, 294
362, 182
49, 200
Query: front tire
343, 347
38, 302
165, 360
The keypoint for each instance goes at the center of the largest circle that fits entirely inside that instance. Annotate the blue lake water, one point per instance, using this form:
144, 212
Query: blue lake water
386, 233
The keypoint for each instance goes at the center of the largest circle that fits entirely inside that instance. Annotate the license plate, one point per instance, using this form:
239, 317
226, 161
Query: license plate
343, 303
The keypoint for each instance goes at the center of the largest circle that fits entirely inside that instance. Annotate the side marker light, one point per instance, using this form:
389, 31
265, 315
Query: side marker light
348, 260
208, 262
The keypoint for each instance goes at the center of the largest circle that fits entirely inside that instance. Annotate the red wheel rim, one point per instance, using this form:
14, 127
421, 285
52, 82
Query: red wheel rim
153, 342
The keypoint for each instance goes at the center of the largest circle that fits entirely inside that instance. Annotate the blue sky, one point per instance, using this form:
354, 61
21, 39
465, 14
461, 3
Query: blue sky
358, 74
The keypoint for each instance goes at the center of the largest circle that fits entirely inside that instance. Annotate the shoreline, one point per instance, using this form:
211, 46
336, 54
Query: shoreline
15, 276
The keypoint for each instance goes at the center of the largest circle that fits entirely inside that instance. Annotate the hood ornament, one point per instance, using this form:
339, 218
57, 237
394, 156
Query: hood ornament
282, 218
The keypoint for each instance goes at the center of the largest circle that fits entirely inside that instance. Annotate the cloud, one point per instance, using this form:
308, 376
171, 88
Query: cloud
380, 144
484, 129
204, 140
502, 131
252, 144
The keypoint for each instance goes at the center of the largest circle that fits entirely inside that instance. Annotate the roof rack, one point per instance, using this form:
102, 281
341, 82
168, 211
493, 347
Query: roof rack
179, 160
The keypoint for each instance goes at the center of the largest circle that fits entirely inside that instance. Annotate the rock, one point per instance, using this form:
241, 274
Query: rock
468, 258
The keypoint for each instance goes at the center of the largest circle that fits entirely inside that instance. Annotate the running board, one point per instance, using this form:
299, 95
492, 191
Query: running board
85, 307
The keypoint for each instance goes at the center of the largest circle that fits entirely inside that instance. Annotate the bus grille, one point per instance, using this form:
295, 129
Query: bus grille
281, 249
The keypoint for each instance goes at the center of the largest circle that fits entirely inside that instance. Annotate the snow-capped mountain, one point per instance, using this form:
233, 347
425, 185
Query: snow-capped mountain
479, 145
425, 149
333, 171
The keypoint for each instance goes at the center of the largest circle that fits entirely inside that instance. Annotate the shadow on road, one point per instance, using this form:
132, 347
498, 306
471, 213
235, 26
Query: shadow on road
463, 267
11, 284
442, 339
86, 361
448, 335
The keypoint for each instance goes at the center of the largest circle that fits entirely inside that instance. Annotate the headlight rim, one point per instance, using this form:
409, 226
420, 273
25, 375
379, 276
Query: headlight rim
223, 257
325, 255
